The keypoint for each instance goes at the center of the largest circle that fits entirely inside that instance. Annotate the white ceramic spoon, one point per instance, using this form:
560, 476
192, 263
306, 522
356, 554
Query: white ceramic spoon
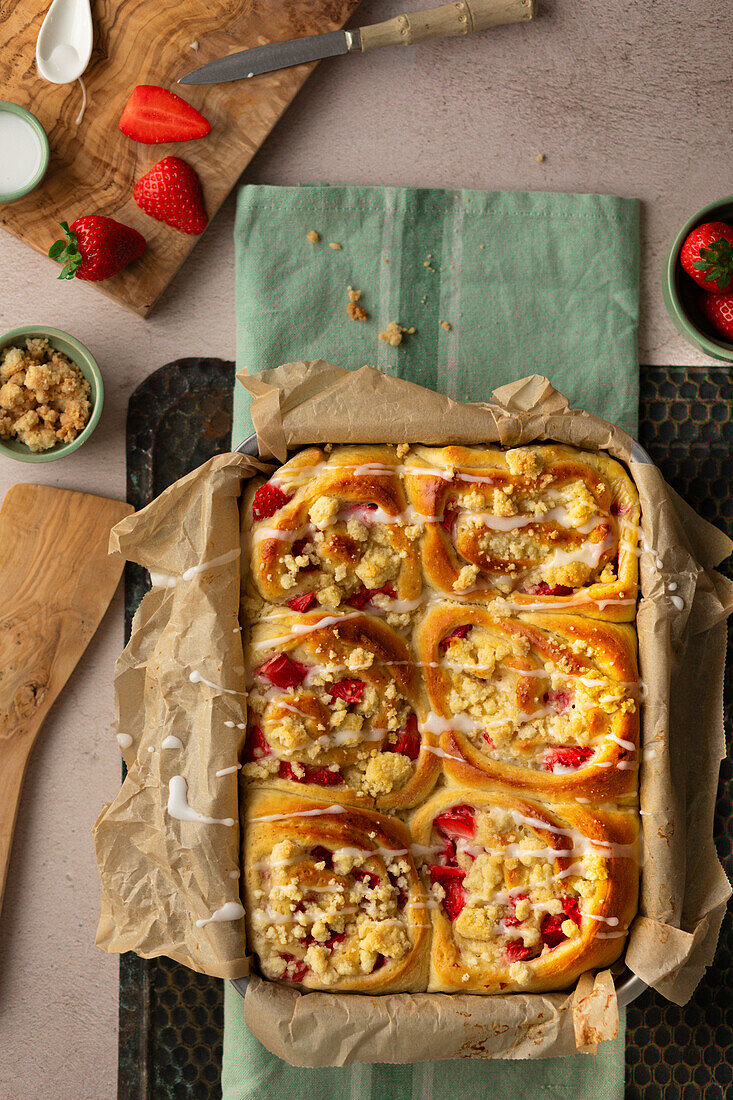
64, 43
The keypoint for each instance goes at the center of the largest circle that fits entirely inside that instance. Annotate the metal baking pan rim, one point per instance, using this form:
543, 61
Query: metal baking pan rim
628, 985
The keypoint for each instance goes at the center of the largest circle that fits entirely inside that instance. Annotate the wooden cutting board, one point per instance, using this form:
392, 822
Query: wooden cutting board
56, 580
93, 166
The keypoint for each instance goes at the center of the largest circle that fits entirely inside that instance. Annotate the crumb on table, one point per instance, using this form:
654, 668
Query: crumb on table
334, 244
354, 310
446, 325
541, 158
394, 333
44, 397
313, 236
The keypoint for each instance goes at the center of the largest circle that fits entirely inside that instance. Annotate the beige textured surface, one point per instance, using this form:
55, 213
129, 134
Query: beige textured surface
610, 95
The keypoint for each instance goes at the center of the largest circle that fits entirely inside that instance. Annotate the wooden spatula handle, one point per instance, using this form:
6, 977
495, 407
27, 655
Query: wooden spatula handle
461, 17
14, 755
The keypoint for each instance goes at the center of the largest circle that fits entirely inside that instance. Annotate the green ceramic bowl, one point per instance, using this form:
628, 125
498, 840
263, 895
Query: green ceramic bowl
13, 448
35, 179
681, 293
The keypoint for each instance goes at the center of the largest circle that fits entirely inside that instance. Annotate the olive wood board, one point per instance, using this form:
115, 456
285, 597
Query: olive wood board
57, 581
94, 166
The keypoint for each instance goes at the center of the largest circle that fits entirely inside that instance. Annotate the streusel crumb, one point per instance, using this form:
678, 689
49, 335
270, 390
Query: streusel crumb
44, 397
394, 333
354, 310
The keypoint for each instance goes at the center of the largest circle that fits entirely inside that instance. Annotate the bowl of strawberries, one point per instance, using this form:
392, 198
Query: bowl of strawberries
698, 280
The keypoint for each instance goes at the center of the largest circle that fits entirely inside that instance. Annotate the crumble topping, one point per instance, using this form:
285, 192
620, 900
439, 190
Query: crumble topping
44, 396
394, 333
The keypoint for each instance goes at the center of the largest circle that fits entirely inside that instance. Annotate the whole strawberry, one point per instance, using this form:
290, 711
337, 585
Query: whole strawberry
718, 308
171, 192
96, 247
707, 255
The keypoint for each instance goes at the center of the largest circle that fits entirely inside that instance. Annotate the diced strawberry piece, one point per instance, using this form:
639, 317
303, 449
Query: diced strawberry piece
379, 963
281, 671
567, 757
489, 741
558, 700
365, 595
302, 603
544, 589
154, 114
322, 777
267, 500
350, 691
455, 635
322, 855
362, 875
451, 879
333, 939
571, 909
408, 740
256, 747
401, 892
296, 969
551, 929
298, 550
512, 921
450, 513
457, 821
516, 951
447, 855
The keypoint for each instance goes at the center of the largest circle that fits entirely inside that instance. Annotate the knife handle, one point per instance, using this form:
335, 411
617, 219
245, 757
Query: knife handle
461, 17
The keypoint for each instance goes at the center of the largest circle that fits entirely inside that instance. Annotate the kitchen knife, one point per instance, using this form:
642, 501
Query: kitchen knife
461, 17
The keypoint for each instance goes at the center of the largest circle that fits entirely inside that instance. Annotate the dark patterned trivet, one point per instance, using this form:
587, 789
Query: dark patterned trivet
170, 1018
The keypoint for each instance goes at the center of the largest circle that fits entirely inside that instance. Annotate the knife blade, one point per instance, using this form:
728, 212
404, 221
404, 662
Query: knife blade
275, 55
457, 18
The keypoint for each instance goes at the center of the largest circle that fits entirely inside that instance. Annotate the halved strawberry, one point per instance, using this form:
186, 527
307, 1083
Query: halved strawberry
455, 635
544, 589
551, 930
302, 603
350, 691
257, 747
457, 821
517, 952
451, 879
567, 756
281, 671
153, 115
267, 500
171, 192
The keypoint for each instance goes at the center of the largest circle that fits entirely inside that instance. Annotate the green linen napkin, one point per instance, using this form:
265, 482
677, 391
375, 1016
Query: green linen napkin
497, 285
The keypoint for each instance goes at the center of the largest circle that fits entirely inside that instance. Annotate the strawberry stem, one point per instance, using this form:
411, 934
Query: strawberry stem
66, 252
716, 261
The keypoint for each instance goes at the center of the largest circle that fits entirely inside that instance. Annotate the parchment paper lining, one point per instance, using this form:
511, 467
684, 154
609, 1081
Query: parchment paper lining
160, 875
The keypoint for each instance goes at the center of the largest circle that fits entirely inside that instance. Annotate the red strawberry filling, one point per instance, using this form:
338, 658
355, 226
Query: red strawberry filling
322, 777
365, 595
451, 879
302, 603
457, 821
362, 875
257, 747
517, 952
512, 920
322, 855
401, 892
350, 691
296, 969
571, 909
298, 550
333, 939
455, 635
281, 671
489, 741
551, 929
567, 757
267, 500
544, 589
408, 740
558, 700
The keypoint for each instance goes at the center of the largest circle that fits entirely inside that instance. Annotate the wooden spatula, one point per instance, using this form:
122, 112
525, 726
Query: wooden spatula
56, 582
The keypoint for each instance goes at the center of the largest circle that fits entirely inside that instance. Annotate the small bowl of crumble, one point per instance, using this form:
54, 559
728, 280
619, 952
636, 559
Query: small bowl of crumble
51, 394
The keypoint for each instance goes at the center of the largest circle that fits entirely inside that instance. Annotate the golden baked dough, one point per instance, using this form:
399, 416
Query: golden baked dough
523, 898
547, 527
445, 635
336, 701
332, 895
545, 704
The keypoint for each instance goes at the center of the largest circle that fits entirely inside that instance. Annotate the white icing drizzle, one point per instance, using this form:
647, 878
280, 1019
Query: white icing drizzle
169, 580
179, 808
327, 811
196, 678
230, 910
298, 629
613, 921
171, 742
123, 740
228, 771
620, 741
678, 602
